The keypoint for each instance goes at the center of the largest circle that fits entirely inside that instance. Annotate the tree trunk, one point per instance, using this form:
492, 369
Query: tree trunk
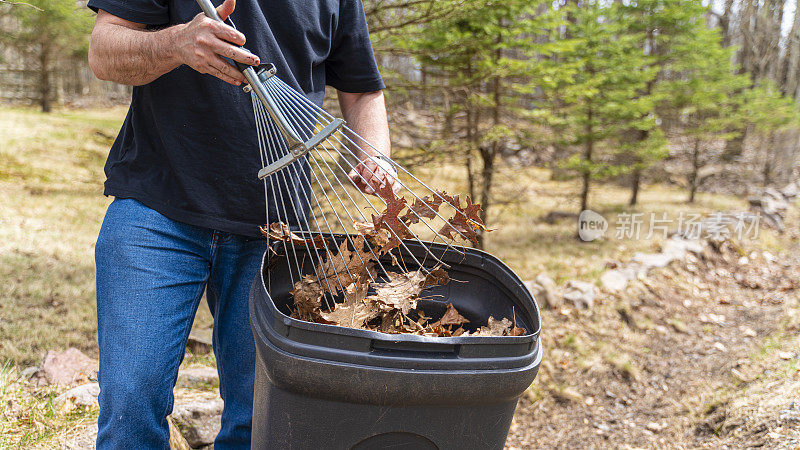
470, 177
725, 23
44, 78
735, 146
489, 154
587, 156
695, 169
767, 145
791, 59
745, 58
636, 180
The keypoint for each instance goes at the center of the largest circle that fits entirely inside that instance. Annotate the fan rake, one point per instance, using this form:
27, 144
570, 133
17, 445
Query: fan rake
311, 162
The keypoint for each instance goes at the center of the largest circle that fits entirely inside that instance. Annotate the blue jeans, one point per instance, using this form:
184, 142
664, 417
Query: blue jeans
151, 274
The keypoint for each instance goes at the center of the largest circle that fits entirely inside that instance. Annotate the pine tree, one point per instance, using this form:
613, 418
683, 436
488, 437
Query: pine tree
485, 58
703, 91
45, 31
602, 96
669, 29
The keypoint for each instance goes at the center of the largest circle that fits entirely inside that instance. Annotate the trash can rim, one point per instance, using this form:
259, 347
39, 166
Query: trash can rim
387, 337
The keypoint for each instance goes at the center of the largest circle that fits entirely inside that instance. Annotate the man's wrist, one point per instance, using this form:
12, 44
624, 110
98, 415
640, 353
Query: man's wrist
171, 42
385, 163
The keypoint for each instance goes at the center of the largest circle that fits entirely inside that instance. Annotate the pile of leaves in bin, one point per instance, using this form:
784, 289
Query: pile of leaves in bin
388, 305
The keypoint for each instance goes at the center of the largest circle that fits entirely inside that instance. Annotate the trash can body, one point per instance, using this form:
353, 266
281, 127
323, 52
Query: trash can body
323, 386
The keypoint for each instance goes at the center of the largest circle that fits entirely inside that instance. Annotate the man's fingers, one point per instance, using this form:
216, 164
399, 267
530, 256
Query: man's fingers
228, 33
369, 177
226, 8
226, 68
235, 53
221, 69
358, 180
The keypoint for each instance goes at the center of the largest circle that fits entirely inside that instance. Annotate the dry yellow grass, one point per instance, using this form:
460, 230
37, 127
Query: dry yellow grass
51, 208
30, 414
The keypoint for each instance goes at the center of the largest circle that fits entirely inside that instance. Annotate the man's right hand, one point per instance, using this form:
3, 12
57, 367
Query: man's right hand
203, 42
128, 53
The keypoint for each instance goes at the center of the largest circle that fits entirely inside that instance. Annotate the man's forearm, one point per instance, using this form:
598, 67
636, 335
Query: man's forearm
366, 115
128, 53
132, 57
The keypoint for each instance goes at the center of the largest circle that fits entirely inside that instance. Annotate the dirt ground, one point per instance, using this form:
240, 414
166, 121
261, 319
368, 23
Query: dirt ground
683, 359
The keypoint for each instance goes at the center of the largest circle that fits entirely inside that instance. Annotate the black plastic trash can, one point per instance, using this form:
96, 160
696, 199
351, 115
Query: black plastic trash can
328, 387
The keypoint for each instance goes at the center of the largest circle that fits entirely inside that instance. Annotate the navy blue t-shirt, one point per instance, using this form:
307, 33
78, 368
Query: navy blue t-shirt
188, 148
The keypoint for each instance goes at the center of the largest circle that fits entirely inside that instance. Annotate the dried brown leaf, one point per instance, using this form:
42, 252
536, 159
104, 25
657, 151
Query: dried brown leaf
345, 267
281, 232
425, 207
401, 291
465, 222
307, 295
451, 317
499, 328
437, 277
352, 315
390, 220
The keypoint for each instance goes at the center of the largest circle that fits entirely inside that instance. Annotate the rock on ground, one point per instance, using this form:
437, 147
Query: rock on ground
67, 368
649, 261
580, 293
198, 375
200, 341
199, 418
199, 414
544, 290
176, 440
83, 395
791, 190
772, 204
616, 279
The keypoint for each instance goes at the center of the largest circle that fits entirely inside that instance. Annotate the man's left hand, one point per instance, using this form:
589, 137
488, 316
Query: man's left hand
369, 176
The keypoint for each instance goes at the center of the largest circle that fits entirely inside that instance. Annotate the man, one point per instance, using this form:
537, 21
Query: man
187, 200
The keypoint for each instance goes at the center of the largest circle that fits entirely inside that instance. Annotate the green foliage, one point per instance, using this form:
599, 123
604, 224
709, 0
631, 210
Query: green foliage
703, 88
766, 109
602, 97
45, 33
668, 29
479, 46
480, 61
60, 25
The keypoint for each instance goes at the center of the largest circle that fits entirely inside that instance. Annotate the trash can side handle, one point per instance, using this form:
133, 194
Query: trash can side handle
400, 348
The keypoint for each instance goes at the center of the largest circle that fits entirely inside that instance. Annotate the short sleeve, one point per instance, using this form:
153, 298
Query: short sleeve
351, 66
147, 12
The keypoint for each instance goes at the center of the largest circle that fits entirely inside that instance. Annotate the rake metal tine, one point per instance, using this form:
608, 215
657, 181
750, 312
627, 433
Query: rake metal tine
412, 192
305, 102
265, 120
333, 209
437, 235
330, 255
357, 207
262, 155
428, 251
333, 189
276, 140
